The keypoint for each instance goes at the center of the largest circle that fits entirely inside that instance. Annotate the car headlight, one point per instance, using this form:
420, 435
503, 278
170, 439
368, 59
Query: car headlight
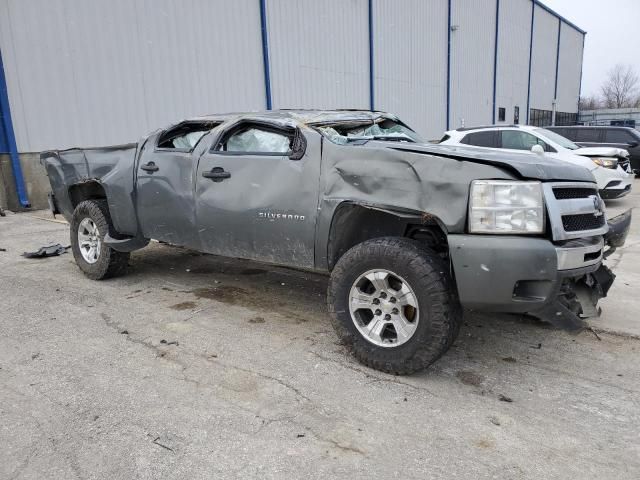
605, 162
503, 206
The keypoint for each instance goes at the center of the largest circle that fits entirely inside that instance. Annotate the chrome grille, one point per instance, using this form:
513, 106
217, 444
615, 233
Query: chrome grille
575, 210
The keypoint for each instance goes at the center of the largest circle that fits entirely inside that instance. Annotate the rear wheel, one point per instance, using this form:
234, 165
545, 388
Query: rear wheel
394, 304
89, 225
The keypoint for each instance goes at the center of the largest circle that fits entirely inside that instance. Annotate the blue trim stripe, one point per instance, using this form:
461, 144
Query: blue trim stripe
495, 61
10, 137
555, 88
371, 84
265, 53
4, 145
533, 16
580, 86
448, 61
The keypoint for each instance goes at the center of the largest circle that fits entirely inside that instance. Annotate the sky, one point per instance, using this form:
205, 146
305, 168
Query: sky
613, 35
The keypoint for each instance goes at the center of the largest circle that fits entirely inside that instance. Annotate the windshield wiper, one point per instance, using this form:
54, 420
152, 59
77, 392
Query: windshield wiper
394, 138
391, 138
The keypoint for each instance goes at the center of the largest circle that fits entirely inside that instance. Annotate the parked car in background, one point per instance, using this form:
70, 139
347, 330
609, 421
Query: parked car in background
606, 136
409, 232
604, 163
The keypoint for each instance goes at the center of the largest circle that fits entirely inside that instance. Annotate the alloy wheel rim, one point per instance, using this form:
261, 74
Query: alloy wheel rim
89, 240
384, 308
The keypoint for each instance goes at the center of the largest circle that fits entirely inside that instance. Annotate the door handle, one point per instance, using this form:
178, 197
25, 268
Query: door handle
150, 167
217, 174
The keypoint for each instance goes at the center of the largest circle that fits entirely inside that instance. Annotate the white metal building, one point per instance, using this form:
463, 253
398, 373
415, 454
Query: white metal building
96, 72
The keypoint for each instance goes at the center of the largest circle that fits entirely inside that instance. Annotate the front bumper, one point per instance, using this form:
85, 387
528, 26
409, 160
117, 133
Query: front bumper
615, 192
617, 183
560, 283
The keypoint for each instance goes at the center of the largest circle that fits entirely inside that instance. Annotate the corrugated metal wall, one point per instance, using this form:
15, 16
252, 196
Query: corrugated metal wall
569, 69
543, 59
472, 47
104, 72
513, 57
410, 59
108, 71
319, 53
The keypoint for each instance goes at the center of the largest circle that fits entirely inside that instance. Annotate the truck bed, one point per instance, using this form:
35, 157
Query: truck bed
111, 167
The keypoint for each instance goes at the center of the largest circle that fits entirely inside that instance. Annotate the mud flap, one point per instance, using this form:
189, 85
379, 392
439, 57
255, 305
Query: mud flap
51, 200
127, 244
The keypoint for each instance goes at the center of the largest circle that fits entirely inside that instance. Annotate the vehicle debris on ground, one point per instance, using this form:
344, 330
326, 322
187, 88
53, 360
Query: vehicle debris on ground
52, 250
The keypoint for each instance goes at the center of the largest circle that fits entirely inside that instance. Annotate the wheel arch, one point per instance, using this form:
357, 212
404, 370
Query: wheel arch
95, 189
87, 190
354, 222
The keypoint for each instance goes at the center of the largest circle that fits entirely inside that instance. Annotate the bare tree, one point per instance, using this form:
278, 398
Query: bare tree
591, 102
620, 89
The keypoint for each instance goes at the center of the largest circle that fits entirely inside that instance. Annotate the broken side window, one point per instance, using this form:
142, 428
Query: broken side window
185, 136
258, 140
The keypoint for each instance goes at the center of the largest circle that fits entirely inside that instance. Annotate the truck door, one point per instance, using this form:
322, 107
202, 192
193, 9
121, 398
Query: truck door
165, 182
257, 193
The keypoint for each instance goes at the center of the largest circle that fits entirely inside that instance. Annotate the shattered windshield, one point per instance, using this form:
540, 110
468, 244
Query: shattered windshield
385, 129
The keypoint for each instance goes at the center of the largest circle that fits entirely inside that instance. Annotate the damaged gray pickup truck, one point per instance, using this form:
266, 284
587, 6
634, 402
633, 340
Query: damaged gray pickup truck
410, 233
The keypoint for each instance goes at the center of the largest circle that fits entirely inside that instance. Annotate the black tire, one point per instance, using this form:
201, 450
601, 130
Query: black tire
427, 275
110, 263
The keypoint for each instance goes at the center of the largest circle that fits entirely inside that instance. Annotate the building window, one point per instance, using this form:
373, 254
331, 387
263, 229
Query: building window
502, 114
516, 115
565, 118
540, 118
623, 123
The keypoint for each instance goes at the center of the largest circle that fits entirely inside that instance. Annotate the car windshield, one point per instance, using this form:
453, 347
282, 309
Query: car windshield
559, 139
385, 129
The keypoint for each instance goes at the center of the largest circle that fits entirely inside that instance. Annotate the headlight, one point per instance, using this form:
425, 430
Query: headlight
502, 206
605, 162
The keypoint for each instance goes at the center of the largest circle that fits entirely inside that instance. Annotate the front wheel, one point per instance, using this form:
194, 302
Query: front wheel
89, 225
394, 303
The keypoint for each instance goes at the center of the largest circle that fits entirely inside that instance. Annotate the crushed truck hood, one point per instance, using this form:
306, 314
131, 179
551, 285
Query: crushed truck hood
525, 165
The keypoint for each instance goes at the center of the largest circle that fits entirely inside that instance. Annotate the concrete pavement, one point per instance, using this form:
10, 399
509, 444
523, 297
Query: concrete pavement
194, 366
621, 309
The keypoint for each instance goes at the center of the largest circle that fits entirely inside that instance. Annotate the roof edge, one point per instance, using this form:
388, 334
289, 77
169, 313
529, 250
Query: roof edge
557, 15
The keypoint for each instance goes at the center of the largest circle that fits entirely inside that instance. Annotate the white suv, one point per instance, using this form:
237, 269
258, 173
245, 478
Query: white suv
613, 181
